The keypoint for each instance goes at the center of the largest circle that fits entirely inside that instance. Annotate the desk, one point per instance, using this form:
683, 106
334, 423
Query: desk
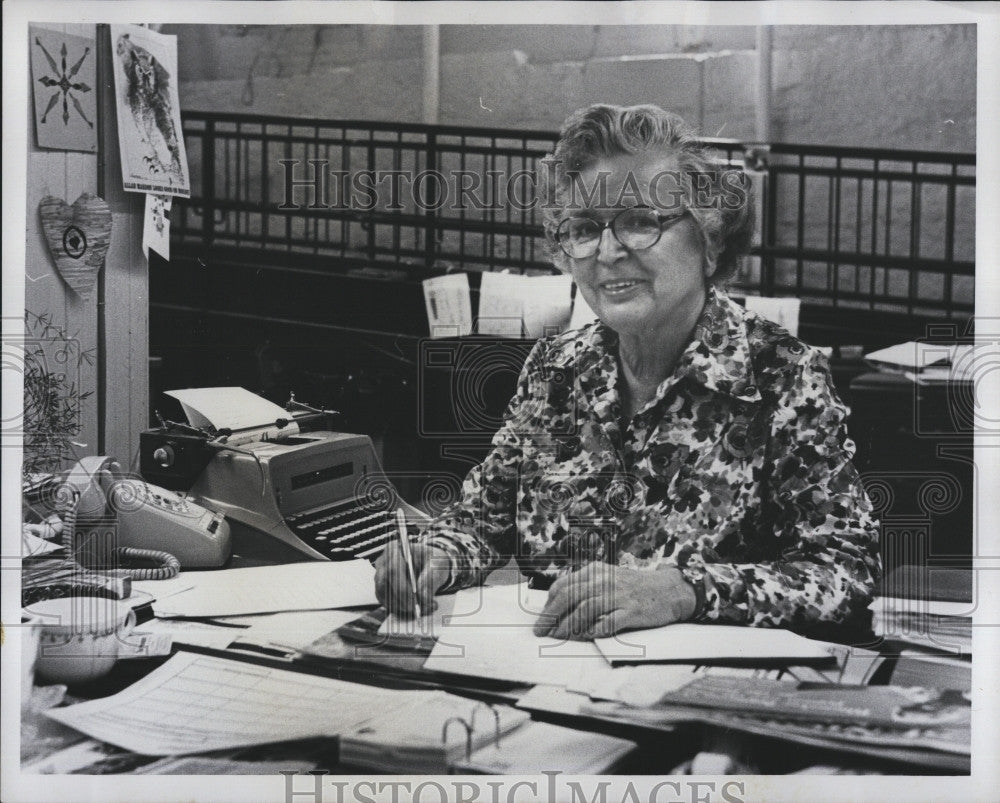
663, 748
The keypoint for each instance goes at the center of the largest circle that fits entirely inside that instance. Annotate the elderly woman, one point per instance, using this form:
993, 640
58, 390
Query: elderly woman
681, 458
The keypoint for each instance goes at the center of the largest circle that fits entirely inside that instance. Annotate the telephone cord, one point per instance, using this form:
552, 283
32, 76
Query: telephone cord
168, 567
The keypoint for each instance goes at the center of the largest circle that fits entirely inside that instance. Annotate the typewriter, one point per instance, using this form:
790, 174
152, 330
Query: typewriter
288, 493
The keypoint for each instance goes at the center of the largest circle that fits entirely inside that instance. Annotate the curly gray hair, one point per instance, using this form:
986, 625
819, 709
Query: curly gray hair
603, 131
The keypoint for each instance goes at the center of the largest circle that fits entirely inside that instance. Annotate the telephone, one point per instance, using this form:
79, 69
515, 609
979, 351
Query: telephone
150, 524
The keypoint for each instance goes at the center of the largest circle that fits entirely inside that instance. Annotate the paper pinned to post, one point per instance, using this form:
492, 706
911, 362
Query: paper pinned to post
449, 305
156, 225
236, 409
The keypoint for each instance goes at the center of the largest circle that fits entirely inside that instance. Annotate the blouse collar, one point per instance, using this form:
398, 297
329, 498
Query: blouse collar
718, 356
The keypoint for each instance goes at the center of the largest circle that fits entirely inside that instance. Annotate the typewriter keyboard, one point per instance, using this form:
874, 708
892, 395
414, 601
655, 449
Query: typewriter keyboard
349, 529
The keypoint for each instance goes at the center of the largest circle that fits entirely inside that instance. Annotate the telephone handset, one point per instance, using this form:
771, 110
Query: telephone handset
151, 524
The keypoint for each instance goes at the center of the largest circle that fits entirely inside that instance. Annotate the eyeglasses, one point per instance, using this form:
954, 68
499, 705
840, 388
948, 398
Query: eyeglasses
636, 228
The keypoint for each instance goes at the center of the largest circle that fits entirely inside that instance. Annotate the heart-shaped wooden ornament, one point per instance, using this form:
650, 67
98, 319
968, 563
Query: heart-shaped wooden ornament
78, 238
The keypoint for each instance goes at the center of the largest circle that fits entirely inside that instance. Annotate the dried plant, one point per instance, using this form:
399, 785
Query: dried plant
53, 400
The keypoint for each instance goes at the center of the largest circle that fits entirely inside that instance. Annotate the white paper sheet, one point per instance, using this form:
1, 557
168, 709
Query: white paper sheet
195, 703
156, 225
546, 304
449, 305
582, 313
270, 589
197, 634
783, 311
644, 684
33, 545
235, 409
501, 304
917, 356
695, 643
489, 634
292, 629
144, 645
511, 305
73, 126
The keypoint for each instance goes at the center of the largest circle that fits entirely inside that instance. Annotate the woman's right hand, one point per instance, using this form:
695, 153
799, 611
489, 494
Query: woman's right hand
431, 566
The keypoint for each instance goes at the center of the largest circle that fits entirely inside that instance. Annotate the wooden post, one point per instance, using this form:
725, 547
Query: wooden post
124, 290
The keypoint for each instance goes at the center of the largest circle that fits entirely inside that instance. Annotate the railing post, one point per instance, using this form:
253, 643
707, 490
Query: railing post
371, 220
767, 278
208, 183
430, 213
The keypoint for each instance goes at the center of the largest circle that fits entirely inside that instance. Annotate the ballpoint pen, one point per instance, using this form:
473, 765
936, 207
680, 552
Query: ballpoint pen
404, 544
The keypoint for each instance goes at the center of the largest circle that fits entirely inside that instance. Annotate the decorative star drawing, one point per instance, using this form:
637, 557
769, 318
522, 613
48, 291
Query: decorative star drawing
62, 80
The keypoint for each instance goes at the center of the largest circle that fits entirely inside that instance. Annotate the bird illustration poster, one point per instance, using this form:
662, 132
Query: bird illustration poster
63, 77
149, 114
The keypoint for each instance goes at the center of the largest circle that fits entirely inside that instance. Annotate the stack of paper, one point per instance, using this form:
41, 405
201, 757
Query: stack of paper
196, 703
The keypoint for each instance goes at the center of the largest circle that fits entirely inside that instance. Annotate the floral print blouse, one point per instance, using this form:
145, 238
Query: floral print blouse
738, 472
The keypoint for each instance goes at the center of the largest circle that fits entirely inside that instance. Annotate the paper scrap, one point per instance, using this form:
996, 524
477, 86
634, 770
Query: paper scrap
546, 305
292, 629
582, 313
501, 304
144, 645
782, 311
64, 80
449, 305
196, 634
31, 544
156, 225
269, 589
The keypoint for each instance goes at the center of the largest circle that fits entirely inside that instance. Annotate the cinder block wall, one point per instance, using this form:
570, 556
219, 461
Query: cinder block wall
896, 86
907, 86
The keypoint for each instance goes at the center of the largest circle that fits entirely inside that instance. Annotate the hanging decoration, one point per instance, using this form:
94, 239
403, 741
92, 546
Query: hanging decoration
156, 225
63, 76
78, 237
149, 117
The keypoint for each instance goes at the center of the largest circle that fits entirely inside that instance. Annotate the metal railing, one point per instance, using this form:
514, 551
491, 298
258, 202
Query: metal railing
879, 230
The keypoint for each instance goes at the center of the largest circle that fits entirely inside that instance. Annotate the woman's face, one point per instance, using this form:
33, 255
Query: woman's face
636, 292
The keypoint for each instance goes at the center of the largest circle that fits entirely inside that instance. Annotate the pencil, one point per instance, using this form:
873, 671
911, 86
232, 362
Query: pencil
404, 544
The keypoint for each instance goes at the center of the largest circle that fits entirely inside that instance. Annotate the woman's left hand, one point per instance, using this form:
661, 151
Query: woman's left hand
599, 600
